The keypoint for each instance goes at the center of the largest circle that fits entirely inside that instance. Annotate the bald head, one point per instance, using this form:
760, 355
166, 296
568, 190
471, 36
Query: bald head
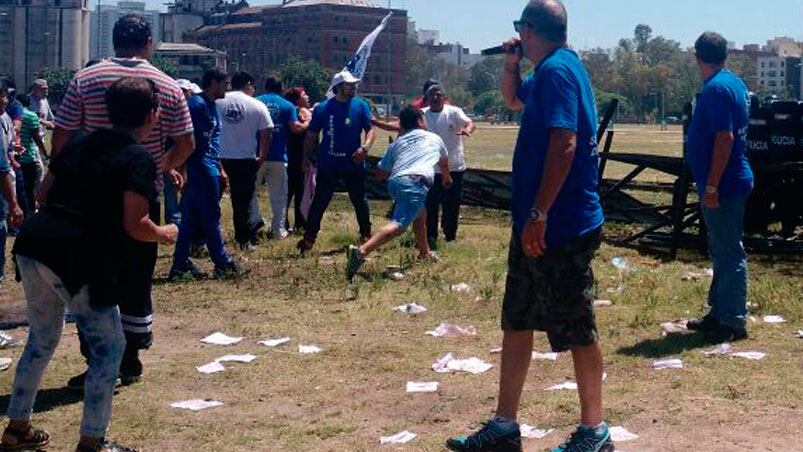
548, 19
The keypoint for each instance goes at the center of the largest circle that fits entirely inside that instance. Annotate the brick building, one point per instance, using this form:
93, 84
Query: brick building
261, 38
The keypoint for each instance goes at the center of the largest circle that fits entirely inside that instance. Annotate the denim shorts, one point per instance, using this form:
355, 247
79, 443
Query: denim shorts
554, 292
410, 195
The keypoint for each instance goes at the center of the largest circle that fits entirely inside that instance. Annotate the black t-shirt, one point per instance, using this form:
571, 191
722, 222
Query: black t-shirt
79, 233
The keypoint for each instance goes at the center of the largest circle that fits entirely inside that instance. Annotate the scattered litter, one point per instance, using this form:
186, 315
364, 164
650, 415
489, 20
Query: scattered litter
398, 438
396, 276
309, 349
461, 288
410, 308
602, 303
6, 341
211, 368
667, 364
326, 260
773, 319
496, 350
422, 386
449, 363
570, 384
196, 405
528, 431
727, 350
620, 263
679, 326
275, 342
621, 434
799, 334
5, 363
545, 356
696, 276
221, 339
449, 330
236, 358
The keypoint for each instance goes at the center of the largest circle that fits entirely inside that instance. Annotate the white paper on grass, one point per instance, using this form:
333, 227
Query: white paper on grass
773, 319
399, 438
211, 368
619, 433
449, 330
602, 303
570, 384
545, 356
422, 386
410, 308
5, 363
275, 342
221, 339
799, 334
667, 364
727, 350
675, 327
236, 358
496, 350
396, 276
620, 263
7, 341
309, 349
461, 288
449, 363
196, 404
528, 431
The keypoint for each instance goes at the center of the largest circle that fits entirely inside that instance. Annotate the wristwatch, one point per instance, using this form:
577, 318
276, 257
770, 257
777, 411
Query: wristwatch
711, 189
536, 216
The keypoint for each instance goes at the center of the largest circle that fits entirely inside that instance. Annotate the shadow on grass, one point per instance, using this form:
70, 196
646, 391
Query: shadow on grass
49, 399
672, 344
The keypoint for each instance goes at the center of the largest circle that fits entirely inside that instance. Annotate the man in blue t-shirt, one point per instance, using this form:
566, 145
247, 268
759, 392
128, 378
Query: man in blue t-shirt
715, 153
206, 179
285, 118
341, 155
557, 222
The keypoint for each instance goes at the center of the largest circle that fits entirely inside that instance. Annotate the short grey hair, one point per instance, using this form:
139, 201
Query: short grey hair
548, 19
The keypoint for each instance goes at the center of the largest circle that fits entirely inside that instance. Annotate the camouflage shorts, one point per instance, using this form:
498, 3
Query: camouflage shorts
553, 293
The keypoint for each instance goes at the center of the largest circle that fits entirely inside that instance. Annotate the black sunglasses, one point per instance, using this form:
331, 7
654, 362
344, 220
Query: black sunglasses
519, 25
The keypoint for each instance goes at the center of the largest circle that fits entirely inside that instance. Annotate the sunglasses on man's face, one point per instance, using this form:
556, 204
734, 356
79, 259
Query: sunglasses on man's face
519, 25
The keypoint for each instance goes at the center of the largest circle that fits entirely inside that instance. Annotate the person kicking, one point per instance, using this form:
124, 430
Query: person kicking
409, 166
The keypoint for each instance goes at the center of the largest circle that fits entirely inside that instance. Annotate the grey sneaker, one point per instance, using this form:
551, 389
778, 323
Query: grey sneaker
354, 261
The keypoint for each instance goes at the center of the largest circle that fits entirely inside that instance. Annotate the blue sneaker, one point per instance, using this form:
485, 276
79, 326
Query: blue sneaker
586, 439
494, 436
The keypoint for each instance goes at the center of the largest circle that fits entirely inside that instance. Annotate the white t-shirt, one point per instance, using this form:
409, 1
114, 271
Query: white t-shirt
416, 153
447, 124
241, 118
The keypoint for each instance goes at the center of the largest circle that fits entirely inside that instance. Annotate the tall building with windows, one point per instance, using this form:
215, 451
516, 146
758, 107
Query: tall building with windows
261, 38
779, 75
102, 23
35, 34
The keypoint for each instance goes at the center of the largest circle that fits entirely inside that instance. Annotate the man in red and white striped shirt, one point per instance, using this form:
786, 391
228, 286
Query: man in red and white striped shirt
84, 109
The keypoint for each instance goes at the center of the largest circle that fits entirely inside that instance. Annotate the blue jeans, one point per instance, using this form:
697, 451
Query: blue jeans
200, 205
728, 294
172, 212
47, 299
410, 195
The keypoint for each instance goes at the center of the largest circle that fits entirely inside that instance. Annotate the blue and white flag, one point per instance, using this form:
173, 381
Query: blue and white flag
359, 62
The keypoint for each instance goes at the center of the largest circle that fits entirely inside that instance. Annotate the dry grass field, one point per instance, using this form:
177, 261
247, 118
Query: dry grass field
346, 397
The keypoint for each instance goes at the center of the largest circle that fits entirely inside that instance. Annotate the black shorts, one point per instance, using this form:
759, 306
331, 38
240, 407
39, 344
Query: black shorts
553, 293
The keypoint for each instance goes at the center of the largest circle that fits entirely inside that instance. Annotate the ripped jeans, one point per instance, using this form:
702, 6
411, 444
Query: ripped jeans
47, 299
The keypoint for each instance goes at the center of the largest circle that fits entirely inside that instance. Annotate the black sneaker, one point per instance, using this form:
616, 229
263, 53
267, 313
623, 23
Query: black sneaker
104, 446
77, 382
354, 261
494, 436
191, 272
724, 333
231, 270
707, 323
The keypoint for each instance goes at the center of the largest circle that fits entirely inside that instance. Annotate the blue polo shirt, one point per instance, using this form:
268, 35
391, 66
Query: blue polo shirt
723, 106
206, 125
558, 94
342, 124
282, 112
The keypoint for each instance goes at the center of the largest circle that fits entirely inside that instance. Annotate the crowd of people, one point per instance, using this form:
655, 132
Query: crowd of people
127, 137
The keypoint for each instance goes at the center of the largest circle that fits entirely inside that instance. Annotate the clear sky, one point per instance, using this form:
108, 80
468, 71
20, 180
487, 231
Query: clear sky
601, 23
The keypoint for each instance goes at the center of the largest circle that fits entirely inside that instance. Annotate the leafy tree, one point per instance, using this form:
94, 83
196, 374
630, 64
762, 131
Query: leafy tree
58, 79
642, 36
485, 76
491, 103
307, 73
166, 65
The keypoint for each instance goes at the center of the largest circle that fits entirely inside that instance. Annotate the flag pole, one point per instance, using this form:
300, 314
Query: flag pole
390, 66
